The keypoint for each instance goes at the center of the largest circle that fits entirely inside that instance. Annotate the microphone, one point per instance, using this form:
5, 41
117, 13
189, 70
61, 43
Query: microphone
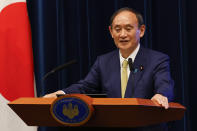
59, 68
130, 64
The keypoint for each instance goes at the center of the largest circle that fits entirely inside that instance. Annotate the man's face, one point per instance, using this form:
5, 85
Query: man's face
125, 31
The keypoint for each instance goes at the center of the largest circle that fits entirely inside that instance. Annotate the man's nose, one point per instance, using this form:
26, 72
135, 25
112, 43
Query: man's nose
123, 33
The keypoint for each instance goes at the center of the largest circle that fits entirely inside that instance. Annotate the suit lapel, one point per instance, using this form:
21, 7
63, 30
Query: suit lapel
115, 70
136, 75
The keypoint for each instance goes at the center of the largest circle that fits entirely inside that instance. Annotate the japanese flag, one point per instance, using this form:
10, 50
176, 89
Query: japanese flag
16, 62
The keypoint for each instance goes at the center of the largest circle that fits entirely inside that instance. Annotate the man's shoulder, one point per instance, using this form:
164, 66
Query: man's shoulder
108, 57
109, 54
153, 53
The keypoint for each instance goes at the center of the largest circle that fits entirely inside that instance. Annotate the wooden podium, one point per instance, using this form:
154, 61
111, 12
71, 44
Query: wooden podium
108, 112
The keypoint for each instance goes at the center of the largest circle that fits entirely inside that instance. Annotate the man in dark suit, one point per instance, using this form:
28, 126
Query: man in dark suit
129, 71
146, 75
149, 73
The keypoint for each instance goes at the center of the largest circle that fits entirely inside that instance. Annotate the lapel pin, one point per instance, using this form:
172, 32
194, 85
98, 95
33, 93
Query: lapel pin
135, 70
141, 68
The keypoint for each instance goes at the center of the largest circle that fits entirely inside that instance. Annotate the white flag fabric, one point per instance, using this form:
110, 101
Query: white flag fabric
9, 121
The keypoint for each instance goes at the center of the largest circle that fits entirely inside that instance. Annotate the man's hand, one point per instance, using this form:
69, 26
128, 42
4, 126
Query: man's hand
54, 94
162, 100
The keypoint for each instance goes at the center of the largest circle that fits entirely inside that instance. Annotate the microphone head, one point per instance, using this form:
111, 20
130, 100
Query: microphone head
130, 61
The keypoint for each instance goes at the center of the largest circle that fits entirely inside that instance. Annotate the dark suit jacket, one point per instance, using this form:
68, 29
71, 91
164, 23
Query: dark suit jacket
151, 76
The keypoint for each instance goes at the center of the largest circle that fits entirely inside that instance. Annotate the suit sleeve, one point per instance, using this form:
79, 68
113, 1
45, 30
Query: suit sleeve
89, 85
163, 82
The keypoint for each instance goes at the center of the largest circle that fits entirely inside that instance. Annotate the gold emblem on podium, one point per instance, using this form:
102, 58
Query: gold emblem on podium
70, 111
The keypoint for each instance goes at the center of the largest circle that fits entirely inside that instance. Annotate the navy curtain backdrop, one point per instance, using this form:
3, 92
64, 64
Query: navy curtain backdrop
63, 30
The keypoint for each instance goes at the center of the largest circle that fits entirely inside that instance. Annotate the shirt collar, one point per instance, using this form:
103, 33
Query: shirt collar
132, 55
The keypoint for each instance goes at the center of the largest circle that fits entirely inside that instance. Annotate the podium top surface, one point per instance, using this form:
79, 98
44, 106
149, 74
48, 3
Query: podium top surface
98, 101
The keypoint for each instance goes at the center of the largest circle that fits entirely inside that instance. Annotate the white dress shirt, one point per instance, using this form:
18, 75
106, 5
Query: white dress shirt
132, 56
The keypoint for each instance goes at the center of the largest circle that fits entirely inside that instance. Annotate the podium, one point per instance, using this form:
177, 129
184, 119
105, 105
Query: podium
108, 112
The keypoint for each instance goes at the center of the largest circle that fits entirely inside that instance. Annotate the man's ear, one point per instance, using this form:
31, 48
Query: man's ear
110, 30
142, 30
